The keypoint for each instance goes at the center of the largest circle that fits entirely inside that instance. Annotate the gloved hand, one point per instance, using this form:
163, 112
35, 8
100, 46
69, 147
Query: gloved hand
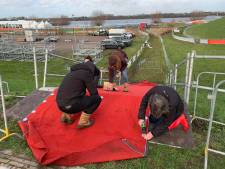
141, 122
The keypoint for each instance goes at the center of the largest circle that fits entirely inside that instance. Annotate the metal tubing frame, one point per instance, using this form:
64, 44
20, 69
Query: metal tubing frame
35, 68
197, 86
7, 86
209, 57
62, 57
45, 68
153, 142
5, 131
212, 109
186, 76
175, 77
190, 76
189, 70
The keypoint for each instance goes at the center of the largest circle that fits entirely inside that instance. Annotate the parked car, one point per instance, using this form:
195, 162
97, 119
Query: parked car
112, 44
51, 39
129, 35
122, 39
100, 32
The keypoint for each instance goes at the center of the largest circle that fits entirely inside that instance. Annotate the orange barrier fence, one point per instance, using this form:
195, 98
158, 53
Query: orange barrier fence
219, 42
8, 29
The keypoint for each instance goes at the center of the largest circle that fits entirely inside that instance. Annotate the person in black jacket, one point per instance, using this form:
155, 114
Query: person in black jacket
165, 107
71, 97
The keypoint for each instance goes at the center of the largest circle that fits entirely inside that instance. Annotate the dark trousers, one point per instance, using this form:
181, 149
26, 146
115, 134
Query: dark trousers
88, 104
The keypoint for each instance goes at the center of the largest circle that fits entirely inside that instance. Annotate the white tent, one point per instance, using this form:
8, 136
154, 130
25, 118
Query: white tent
47, 24
41, 25
27, 24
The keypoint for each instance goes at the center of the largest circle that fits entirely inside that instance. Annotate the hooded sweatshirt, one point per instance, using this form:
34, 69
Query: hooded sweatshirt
176, 107
75, 83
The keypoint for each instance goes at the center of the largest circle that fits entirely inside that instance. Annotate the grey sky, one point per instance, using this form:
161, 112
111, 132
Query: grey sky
51, 8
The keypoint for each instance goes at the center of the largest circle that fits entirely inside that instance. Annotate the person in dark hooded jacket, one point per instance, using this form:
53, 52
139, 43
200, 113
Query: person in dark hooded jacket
71, 97
165, 107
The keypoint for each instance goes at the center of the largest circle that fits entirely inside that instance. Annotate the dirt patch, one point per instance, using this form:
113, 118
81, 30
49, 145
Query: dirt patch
160, 31
67, 42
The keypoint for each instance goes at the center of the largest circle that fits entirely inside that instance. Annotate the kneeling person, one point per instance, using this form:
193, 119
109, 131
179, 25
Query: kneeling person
165, 107
71, 97
117, 62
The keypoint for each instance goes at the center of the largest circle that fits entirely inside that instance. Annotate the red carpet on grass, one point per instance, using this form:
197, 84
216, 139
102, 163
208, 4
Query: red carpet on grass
114, 136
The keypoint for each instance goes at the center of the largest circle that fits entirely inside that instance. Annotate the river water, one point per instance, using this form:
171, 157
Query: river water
130, 22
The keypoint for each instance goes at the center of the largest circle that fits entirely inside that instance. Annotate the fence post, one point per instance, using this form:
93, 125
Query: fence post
171, 77
3, 106
35, 68
175, 77
186, 77
190, 75
46, 65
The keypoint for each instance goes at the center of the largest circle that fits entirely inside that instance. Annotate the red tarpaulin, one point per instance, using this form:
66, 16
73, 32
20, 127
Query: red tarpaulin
114, 136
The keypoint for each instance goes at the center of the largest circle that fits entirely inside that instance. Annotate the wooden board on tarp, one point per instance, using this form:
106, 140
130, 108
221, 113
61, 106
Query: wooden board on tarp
25, 106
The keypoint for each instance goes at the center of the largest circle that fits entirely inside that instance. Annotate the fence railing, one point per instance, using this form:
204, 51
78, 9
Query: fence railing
23, 52
139, 52
189, 61
188, 84
212, 111
190, 39
5, 131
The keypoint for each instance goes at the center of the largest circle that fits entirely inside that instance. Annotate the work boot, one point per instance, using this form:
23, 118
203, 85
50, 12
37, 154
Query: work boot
85, 121
65, 118
125, 87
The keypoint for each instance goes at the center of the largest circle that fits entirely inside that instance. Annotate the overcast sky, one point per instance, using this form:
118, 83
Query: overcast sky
52, 8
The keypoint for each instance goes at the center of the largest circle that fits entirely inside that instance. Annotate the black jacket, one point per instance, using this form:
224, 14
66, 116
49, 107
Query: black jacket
81, 77
176, 107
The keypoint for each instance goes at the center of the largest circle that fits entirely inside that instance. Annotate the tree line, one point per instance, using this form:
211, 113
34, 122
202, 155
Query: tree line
98, 17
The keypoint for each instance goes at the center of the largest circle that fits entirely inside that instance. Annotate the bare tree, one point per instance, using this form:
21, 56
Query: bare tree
156, 17
98, 18
197, 15
33, 17
62, 20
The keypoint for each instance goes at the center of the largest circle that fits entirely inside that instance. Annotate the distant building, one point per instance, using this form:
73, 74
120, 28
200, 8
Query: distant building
24, 24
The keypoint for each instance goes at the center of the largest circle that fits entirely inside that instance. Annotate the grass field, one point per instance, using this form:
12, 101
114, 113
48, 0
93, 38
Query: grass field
212, 30
178, 50
159, 157
150, 66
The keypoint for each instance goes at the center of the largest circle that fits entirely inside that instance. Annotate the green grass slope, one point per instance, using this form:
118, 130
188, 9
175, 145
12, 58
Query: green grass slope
212, 30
